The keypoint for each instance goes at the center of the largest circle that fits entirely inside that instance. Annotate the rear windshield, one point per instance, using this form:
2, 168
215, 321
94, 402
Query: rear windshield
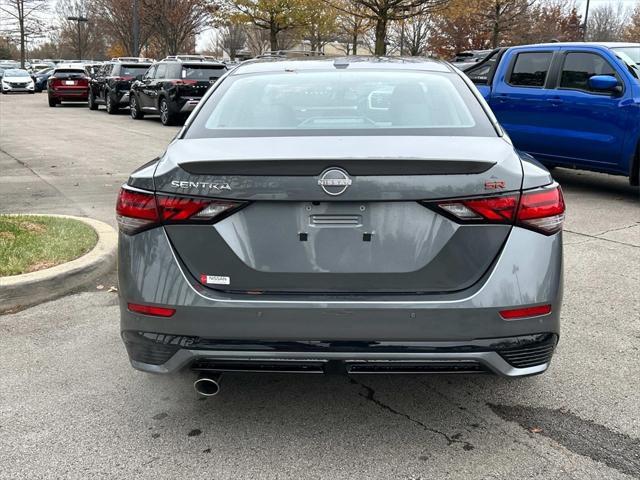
333, 102
70, 73
202, 72
134, 70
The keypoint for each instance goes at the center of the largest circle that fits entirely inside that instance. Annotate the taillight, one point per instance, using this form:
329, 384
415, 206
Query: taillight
137, 210
494, 209
541, 209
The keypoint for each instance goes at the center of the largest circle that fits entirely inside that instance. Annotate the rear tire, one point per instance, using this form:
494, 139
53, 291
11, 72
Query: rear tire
111, 108
134, 109
92, 101
166, 117
634, 179
52, 101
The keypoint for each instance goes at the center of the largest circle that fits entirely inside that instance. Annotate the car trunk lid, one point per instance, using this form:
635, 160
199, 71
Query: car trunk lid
377, 236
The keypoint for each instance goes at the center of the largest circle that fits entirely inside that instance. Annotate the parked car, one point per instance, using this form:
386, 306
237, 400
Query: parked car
111, 84
17, 80
568, 104
358, 215
40, 66
68, 83
40, 78
465, 59
172, 88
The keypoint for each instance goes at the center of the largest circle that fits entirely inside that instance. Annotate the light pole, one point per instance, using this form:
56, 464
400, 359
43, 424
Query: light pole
136, 29
586, 18
79, 19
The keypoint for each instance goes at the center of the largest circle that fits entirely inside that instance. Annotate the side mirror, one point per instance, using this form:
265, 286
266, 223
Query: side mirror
604, 83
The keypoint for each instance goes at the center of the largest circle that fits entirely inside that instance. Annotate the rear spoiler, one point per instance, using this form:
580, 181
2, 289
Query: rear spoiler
365, 166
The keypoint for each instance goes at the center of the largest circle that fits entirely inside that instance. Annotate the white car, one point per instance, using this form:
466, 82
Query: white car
17, 80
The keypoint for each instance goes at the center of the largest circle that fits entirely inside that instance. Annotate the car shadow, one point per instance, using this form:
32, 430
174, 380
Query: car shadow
580, 181
438, 412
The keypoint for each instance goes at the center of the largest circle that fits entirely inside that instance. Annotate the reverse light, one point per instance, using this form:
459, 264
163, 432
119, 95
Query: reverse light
151, 310
526, 312
138, 210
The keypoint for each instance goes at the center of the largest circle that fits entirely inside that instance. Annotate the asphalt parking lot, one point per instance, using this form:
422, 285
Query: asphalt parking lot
72, 407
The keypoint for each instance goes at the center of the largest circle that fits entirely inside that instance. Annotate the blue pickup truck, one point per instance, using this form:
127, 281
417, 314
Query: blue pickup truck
568, 104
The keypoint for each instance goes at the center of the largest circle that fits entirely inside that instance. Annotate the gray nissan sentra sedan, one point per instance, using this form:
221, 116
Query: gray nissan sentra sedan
357, 215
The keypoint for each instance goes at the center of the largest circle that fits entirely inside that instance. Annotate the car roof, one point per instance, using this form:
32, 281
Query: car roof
582, 44
275, 64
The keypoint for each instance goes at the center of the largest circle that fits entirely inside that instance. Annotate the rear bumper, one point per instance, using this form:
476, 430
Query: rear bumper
410, 328
510, 357
189, 104
75, 95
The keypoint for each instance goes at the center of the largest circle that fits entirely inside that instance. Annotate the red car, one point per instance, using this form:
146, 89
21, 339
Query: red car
68, 84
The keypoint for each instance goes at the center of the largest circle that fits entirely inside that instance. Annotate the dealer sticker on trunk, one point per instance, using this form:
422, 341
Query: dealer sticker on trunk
215, 279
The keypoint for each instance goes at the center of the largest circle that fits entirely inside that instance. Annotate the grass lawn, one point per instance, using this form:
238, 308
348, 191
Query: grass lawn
29, 243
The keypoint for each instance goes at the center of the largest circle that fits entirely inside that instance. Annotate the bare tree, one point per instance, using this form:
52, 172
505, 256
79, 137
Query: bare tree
176, 23
257, 40
606, 23
232, 38
632, 33
503, 16
410, 36
382, 13
116, 19
23, 19
85, 38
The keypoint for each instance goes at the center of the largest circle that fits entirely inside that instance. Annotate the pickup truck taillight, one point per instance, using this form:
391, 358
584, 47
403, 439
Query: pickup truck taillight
541, 209
138, 210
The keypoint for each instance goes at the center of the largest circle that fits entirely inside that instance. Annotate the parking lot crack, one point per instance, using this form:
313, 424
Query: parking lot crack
596, 237
627, 227
370, 394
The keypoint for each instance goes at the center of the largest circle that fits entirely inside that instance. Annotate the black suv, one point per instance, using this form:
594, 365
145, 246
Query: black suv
173, 87
111, 84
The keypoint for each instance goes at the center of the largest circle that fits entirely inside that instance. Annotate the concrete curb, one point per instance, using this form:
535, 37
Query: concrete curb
19, 291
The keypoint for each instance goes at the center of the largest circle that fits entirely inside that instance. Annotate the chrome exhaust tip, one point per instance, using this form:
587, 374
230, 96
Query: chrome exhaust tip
207, 385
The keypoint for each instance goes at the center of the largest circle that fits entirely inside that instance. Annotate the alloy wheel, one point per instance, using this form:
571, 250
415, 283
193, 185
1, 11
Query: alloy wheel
164, 112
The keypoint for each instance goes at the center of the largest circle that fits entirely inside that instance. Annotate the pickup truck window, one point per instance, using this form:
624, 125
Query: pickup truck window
530, 69
580, 66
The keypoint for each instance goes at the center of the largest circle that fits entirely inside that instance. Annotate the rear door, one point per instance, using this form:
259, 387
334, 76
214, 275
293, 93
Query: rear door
145, 89
520, 101
583, 125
